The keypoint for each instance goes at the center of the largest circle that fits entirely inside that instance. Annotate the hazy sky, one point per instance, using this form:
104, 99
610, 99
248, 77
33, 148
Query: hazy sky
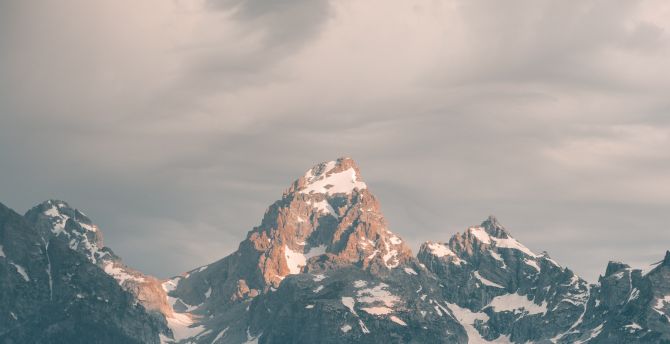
174, 124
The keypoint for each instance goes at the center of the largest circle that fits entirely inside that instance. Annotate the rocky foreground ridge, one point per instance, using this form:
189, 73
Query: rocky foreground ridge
321, 267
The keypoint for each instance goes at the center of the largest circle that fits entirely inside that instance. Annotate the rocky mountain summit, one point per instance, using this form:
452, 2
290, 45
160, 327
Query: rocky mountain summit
321, 267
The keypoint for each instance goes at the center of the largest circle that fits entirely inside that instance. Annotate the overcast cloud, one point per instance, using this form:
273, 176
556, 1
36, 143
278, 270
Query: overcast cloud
174, 124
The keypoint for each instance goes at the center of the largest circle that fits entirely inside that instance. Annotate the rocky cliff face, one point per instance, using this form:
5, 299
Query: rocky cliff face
57, 220
509, 291
53, 294
321, 267
627, 306
502, 291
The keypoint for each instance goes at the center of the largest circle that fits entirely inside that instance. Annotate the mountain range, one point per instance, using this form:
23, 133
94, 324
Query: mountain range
321, 267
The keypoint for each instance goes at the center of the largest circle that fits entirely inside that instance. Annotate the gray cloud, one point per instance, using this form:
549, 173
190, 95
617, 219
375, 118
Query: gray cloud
175, 124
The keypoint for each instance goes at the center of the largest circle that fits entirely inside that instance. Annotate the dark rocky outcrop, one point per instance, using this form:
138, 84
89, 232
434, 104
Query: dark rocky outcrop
53, 294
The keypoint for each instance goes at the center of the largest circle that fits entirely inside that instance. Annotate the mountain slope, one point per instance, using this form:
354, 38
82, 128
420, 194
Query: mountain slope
627, 306
52, 294
59, 221
503, 291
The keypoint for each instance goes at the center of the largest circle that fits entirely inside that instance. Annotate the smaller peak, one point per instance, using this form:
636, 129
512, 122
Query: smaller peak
666, 260
493, 227
491, 222
51, 208
54, 203
59, 209
614, 267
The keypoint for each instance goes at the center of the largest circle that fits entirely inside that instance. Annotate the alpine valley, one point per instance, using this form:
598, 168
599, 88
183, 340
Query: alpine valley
321, 267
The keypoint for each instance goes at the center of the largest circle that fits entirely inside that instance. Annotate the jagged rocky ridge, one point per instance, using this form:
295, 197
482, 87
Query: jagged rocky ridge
323, 267
52, 294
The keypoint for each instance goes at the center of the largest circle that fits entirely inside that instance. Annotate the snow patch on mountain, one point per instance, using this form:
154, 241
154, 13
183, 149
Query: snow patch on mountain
349, 302
121, 274
482, 236
511, 243
343, 182
58, 219
220, 335
390, 258
21, 271
632, 327
297, 260
323, 207
397, 320
486, 281
182, 327
516, 303
592, 334
378, 293
377, 310
468, 318
410, 271
661, 302
532, 264
440, 250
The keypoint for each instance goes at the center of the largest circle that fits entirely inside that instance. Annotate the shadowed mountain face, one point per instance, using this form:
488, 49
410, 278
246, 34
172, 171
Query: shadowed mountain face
57, 220
321, 267
53, 294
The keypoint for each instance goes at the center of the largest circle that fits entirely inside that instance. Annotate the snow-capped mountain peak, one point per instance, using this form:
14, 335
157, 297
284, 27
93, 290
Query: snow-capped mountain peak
55, 218
340, 176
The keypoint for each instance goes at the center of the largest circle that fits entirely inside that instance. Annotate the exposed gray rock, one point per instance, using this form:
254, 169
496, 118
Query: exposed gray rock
57, 220
522, 296
52, 294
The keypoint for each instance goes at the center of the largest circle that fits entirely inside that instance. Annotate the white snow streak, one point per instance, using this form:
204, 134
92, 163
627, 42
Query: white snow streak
21, 271
487, 282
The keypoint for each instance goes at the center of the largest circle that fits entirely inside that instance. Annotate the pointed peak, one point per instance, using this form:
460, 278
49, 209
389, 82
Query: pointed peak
666, 260
492, 223
491, 233
57, 219
54, 208
493, 227
51, 203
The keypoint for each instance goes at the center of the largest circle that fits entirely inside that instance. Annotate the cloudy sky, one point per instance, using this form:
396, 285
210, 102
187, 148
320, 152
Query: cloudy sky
174, 124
